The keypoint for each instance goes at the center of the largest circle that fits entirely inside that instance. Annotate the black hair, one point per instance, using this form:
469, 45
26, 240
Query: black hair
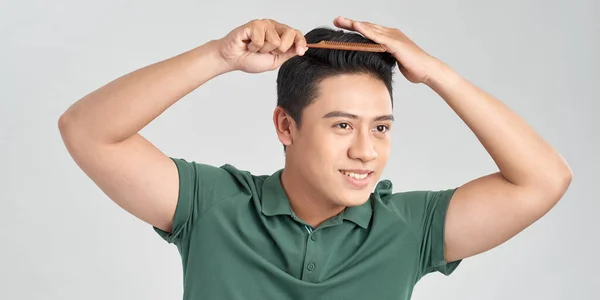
298, 78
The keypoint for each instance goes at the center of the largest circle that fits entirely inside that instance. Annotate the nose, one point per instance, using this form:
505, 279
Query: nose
363, 148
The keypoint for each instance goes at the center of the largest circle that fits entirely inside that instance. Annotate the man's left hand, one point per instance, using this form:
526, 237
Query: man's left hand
414, 63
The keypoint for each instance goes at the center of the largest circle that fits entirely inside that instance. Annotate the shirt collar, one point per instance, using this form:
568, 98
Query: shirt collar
275, 201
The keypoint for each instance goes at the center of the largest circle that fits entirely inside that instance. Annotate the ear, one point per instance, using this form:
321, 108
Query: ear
284, 126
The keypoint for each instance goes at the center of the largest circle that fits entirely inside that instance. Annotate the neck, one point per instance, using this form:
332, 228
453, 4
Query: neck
306, 203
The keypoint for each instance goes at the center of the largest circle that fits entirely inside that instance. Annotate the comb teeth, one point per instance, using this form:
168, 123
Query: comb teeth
348, 46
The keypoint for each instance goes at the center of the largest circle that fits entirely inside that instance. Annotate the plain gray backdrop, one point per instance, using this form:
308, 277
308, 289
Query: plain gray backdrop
62, 238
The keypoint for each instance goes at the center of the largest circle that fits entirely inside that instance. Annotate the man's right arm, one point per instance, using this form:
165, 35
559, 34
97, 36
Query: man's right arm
100, 131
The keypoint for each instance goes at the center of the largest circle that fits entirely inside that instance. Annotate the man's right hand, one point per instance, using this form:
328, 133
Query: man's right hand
260, 45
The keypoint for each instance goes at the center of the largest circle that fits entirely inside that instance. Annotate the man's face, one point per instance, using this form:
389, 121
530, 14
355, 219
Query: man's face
343, 142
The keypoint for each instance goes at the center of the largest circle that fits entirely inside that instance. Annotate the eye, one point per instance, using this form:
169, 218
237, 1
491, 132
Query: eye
342, 125
382, 128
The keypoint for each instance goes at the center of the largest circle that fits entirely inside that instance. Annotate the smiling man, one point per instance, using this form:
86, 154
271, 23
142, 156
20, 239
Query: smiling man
324, 226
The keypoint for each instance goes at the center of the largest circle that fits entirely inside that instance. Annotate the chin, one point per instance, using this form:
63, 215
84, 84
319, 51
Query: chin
348, 191
354, 198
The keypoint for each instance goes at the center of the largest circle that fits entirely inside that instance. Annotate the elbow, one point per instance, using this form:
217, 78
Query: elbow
565, 178
65, 125
63, 122
558, 182
70, 130
547, 192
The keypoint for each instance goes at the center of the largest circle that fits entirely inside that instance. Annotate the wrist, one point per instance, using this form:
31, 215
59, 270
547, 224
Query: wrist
440, 75
207, 57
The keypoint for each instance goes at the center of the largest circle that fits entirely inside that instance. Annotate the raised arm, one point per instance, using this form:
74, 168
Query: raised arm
100, 130
532, 176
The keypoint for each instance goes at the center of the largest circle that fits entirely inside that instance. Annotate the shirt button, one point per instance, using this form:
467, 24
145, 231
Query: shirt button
313, 237
311, 266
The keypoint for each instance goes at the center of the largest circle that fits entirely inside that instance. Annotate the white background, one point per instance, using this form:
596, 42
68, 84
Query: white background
62, 238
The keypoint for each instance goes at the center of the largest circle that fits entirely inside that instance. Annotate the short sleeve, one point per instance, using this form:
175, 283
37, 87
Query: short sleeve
201, 186
426, 211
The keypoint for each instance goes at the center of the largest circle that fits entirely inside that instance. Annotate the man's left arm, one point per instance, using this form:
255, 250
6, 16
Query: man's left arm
532, 177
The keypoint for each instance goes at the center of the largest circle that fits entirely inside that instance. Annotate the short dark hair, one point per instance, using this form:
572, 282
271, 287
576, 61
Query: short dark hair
298, 78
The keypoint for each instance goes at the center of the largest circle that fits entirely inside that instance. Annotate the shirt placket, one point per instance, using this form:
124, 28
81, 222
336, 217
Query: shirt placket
313, 267
311, 258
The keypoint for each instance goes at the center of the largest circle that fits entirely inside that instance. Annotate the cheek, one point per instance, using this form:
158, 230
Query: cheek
383, 149
328, 148
336, 145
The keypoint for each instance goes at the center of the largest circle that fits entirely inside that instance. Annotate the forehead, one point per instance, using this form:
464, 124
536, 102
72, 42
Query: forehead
360, 94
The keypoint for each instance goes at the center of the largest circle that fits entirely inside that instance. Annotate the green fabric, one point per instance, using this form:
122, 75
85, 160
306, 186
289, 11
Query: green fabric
239, 239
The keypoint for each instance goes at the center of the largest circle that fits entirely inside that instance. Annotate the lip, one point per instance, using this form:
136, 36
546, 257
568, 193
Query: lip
357, 171
355, 182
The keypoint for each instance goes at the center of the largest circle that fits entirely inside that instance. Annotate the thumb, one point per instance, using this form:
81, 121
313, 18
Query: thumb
280, 59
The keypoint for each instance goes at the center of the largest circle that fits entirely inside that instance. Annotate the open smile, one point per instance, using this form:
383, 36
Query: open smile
357, 178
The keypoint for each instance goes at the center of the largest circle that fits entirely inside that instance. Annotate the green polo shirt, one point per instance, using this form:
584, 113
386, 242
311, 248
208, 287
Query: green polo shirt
239, 239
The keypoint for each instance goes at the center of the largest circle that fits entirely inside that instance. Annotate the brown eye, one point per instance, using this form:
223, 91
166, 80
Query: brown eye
382, 128
343, 125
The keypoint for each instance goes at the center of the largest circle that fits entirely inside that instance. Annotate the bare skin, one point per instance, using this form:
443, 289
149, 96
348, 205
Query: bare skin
100, 130
101, 133
532, 177
346, 128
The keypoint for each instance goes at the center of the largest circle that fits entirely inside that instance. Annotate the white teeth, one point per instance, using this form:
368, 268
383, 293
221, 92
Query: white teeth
354, 175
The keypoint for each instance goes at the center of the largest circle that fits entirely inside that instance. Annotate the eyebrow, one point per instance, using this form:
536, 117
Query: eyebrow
341, 114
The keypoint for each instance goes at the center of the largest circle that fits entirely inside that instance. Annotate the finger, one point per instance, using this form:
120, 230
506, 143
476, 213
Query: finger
370, 31
285, 56
343, 23
287, 40
280, 28
374, 26
256, 35
272, 40
349, 24
300, 42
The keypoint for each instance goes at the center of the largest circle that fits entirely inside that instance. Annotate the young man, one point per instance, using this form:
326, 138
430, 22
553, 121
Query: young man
323, 227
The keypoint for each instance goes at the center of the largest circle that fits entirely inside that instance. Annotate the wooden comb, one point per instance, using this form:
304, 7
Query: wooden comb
348, 46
